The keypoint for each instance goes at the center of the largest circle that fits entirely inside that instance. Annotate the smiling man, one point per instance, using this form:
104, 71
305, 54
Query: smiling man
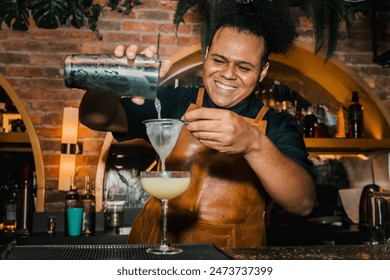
241, 154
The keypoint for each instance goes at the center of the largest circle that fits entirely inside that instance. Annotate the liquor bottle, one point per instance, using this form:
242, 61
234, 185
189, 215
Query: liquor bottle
310, 123
72, 200
34, 188
88, 202
321, 130
3, 195
25, 204
11, 208
355, 117
25, 210
299, 117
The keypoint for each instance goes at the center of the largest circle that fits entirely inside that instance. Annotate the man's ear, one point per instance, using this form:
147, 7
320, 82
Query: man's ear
264, 72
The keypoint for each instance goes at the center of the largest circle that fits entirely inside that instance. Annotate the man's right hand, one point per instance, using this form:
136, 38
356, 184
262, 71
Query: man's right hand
150, 51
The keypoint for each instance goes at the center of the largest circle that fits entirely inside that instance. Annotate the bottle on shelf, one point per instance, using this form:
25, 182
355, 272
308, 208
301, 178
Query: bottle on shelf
310, 123
25, 204
88, 202
72, 200
321, 130
34, 188
299, 117
2, 111
25, 210
11, 208
3, 195
355, 117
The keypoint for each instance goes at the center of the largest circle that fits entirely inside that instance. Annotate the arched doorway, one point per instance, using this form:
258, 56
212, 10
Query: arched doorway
33, 138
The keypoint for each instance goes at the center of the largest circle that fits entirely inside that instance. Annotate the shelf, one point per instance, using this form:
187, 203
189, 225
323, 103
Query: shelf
15, 142
345, 145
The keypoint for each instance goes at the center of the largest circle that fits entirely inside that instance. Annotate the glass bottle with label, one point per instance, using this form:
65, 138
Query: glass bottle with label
34, 188
310, 123
11, 208
355, 117
88, 202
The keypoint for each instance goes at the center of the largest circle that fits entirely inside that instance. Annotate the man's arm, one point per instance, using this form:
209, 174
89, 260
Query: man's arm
287, 183
103, 112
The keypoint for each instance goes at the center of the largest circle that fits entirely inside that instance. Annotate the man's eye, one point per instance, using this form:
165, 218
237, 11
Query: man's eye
245, 69
219, 61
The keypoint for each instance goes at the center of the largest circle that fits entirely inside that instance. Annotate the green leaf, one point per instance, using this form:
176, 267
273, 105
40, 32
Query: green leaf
76, 11
113, 4
337, 5
49, 14
93, 17
182, 7
14, 14
317, 12
333, 32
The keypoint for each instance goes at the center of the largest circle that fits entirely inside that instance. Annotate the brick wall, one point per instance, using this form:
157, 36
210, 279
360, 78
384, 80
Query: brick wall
32, 62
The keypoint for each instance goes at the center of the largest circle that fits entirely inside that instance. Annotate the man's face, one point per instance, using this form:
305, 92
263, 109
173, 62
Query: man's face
232, 67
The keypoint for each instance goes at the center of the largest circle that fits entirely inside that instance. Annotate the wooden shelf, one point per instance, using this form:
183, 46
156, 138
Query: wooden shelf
15, 142
346, 145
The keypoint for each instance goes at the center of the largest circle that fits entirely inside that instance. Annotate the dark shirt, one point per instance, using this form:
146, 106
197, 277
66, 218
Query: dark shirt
282, 128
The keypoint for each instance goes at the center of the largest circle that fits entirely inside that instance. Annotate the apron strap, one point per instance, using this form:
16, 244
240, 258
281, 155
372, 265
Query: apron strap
262, 124
199, 99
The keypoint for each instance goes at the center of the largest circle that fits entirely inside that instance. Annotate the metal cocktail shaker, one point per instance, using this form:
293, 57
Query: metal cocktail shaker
108, 73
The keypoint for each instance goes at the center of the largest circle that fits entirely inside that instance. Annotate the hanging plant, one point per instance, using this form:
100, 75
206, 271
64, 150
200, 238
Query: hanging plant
51, 14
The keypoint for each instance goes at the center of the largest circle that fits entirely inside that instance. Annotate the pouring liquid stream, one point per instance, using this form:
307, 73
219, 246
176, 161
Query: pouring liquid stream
157, 104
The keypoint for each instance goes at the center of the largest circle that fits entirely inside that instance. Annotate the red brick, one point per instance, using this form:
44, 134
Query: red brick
167, 28
154, 15
109, 25
167, 5
139, 27
185, 29
188, 41
14, 58
122, 38
47, 34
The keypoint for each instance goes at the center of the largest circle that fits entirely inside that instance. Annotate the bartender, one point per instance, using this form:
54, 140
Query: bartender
241, 154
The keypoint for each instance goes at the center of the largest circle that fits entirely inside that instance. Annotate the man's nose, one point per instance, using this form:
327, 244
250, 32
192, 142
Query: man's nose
229, 71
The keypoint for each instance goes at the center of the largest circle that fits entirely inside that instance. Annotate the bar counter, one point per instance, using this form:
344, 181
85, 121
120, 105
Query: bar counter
94, 248
320, 252
308, 243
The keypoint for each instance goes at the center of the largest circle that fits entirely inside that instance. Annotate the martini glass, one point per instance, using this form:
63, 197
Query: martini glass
165, 185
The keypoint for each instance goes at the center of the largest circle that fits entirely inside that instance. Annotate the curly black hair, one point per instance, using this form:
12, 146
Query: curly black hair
261, 18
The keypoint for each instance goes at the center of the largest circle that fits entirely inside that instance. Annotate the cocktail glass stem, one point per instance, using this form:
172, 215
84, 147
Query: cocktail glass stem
164, 205
164, 248
162, 164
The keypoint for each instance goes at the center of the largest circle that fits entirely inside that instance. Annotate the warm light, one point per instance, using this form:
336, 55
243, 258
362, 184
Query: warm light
70, 125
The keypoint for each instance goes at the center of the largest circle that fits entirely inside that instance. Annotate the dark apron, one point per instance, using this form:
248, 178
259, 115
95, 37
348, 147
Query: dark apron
223, 205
